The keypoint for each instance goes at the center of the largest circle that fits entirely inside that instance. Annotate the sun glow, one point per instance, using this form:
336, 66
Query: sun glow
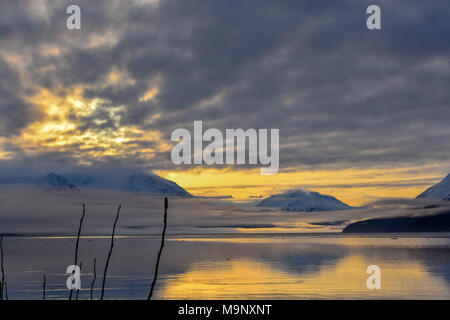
354, 186
62, 127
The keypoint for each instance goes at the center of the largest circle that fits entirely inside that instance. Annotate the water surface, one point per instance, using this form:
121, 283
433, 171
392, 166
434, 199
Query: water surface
319, 266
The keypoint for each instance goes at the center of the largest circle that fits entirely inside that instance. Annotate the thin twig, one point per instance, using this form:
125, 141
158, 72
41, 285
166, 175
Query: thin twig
166, 205
76, 245
43, 286
110, 251
78, 235
78, 290
4, 287
93, 280
6, 290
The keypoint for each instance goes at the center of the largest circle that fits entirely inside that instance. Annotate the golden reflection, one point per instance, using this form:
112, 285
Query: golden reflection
249, 279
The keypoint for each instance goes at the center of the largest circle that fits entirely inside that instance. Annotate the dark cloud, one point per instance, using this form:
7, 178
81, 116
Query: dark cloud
16, 111
340, 94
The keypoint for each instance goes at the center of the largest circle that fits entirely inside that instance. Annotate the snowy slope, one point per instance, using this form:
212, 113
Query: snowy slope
299, 200
146, 183
151, 183
440, 191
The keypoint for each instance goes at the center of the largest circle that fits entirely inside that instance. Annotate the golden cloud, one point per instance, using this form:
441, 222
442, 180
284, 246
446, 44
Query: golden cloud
61, 129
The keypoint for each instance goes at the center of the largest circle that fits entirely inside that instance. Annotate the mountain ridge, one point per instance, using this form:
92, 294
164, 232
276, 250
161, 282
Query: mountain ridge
439, 191
137, 182
304, 201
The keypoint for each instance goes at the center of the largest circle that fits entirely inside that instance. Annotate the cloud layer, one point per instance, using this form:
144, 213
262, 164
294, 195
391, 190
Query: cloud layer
341, 94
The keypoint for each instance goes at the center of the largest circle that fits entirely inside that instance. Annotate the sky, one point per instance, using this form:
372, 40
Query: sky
363, 115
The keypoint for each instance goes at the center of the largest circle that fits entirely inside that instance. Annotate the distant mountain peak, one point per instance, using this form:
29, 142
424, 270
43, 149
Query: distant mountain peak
440, 191
55, 182
151, 183
139, 182
302, 200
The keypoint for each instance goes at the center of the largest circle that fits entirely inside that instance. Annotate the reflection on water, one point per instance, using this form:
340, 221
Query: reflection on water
248, 279
238, 267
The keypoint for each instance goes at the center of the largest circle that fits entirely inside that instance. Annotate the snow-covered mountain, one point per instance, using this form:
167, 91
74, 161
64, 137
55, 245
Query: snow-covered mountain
151, 183
145, 183
300, 200
55, 182
440, 191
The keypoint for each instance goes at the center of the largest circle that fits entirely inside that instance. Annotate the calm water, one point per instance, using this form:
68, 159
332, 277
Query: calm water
236, 267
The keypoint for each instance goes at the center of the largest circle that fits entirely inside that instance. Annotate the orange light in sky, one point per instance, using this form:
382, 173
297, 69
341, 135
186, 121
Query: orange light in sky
354, 186
59, 129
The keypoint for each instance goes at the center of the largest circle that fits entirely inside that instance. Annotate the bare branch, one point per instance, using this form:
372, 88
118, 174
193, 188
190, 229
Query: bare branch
43, 286
77, 243
78, 290
166, 205
4, 287
109, 253
93, 280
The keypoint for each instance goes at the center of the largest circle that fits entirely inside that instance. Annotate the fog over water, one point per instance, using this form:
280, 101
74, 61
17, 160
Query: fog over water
32, 212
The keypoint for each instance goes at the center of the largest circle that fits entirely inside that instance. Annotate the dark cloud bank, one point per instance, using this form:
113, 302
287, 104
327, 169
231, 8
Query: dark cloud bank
341, 94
